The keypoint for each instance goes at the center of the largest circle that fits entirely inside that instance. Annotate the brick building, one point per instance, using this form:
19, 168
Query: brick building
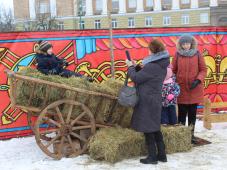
92, 14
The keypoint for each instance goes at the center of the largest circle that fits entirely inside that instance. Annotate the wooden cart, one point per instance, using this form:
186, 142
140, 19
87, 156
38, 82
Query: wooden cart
57, 134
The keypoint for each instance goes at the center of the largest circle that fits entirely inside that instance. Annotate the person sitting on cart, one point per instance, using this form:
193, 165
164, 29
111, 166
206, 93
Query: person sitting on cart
48, 63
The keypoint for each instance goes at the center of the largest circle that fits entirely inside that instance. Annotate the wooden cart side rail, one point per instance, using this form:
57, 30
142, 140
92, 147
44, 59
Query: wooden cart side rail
63, 86
11, 91
210, 117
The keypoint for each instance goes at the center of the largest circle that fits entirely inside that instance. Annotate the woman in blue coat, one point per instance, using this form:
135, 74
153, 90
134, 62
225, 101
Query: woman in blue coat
146, 116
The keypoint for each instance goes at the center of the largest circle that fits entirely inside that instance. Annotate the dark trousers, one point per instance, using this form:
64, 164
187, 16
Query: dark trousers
187, 109
68, 73
154, 141
168, 115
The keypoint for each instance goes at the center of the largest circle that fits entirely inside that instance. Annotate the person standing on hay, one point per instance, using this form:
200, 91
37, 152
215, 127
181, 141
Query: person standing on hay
146, 116
190, 69
170, 91
48, 63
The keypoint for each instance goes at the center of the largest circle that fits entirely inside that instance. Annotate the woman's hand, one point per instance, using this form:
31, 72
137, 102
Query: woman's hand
129, 63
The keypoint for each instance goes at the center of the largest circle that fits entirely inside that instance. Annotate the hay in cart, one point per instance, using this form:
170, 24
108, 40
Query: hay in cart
106, 110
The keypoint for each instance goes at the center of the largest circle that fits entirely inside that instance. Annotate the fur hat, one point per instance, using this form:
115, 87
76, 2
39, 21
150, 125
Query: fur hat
44, 46
187, 39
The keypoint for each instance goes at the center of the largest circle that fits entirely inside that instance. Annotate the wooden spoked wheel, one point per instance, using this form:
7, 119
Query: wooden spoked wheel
65, 128
31, 123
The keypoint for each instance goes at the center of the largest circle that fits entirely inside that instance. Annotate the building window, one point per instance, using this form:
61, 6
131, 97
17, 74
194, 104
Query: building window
166, 20
81, 25
132, 3
166, 4
131, 22
114, 23
115, 5
97, 24
185, 19
98, 5
61, 26
185, 2
204, 3
204, 18
148, 21
149, 5
81, 7
44, 8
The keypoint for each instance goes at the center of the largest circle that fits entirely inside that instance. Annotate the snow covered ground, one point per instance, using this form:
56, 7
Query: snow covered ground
24, 154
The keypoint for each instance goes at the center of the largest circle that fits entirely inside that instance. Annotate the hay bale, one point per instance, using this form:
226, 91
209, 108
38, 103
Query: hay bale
115, 144
177, 138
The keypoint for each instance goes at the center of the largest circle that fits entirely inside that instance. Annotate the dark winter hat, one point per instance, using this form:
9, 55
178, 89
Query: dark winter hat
44, 45
186, 39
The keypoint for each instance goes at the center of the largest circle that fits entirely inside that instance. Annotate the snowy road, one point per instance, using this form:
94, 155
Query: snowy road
24, 154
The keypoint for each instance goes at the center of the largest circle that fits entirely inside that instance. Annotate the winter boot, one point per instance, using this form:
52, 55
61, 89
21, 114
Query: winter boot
152, 157
161, 147
193, 139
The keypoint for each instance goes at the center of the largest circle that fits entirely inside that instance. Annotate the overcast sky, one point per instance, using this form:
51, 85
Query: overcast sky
6, 4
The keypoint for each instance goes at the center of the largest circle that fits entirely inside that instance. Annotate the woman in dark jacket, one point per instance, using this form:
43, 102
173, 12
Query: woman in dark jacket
146, 117
48, 63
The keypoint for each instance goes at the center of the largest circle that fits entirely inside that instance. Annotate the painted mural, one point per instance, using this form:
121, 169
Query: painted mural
88, 52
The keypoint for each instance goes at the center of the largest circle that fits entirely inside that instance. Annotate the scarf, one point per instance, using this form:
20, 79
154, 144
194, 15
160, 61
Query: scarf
187, 53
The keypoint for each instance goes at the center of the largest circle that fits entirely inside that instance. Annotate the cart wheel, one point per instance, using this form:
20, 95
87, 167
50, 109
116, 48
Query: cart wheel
32, 124
64, 129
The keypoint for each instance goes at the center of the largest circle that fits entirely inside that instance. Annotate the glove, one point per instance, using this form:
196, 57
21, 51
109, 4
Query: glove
128, 63
138, 67
53, 71
65, 63
195, 84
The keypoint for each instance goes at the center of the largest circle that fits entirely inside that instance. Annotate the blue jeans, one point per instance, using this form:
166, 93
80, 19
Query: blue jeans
168, 115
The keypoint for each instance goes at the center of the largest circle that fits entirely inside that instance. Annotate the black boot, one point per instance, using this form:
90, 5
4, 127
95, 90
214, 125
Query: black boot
152, 157
193, 139
192, 121
161, 147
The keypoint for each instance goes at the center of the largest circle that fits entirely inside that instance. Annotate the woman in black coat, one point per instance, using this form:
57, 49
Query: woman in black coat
48, 63
146, 117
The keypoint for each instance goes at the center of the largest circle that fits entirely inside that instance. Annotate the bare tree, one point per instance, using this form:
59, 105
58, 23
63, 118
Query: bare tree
6, 21
44, 20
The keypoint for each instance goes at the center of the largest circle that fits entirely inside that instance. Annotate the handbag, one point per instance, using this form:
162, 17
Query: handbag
127, 95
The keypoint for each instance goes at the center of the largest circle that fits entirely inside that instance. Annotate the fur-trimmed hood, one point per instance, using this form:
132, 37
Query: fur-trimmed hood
154, 57
187, 39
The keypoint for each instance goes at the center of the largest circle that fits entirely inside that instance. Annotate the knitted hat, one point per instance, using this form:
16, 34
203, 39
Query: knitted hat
44, 46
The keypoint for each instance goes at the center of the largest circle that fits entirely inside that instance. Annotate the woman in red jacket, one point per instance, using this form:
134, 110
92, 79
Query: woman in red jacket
190, 69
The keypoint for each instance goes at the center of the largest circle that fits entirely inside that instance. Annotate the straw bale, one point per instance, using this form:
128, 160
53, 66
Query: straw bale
115, 144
